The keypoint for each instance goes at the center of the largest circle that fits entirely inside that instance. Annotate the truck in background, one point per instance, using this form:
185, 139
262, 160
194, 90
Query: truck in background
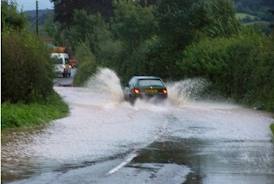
61, 62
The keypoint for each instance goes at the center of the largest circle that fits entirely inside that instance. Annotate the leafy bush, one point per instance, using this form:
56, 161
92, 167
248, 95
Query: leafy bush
240, 66
263, 75
87, 64
10, 18
272, 128
27, 72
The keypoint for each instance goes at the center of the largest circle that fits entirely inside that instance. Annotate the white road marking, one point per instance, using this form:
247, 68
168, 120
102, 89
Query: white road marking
125, 162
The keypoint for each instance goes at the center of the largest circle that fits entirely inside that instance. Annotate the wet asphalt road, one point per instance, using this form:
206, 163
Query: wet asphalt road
65, 82
106, 140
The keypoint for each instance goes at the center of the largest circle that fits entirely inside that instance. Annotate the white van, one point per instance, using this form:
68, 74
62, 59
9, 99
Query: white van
61, 64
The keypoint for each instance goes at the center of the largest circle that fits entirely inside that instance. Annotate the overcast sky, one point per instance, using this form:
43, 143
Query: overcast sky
30, 4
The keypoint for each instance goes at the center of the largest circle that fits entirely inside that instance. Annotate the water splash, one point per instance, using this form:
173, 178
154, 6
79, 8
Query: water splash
180, 93
93, 132
106, 81
183, 91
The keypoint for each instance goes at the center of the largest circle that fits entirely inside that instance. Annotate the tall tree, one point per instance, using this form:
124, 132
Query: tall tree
133, 23
64, 9
221, 16
179, 20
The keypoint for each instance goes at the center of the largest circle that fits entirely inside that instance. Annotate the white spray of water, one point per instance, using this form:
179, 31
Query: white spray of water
183, 91
180, 93
106, 81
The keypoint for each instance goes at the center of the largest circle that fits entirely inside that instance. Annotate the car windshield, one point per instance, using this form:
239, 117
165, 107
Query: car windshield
57, 60
150, 82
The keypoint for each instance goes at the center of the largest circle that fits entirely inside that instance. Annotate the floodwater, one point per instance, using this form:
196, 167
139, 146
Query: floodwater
106, 140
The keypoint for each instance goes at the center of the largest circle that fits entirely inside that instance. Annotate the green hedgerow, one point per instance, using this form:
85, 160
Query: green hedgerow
27, 72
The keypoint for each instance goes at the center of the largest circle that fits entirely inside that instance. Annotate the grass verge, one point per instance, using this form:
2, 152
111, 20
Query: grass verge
33, 114
272, 128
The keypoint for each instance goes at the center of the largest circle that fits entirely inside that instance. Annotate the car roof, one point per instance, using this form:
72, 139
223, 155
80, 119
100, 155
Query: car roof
54, 54
145, 77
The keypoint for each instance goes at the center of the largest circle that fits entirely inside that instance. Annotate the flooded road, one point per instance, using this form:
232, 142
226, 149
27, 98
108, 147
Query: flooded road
106, 140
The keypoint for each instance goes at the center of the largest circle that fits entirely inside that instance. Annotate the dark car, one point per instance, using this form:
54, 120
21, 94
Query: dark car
145, 87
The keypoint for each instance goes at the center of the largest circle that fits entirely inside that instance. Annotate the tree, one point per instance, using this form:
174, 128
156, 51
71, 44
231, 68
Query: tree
89, 28
53, 29
10, 18
64, 9
87, 63
221, 18
26, 68
180, 20
133, 23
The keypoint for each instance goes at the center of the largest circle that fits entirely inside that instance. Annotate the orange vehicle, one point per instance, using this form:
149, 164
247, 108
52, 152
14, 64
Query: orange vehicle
59, 50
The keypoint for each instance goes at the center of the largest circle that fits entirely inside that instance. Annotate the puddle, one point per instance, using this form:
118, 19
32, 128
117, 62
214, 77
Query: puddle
178, 151
225, 160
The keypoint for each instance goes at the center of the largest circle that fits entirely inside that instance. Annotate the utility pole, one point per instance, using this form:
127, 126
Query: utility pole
37, 29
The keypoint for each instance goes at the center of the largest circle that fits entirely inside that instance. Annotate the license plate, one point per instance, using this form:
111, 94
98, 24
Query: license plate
151, 91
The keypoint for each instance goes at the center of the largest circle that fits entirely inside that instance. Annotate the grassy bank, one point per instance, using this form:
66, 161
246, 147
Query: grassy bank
33, 114
272, 128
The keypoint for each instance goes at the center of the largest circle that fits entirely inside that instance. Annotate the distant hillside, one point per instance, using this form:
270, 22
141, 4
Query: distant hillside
258, 8
253, 5
255, 12
42, 16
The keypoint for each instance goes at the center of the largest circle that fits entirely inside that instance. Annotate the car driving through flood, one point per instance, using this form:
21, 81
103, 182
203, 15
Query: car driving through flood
145, 87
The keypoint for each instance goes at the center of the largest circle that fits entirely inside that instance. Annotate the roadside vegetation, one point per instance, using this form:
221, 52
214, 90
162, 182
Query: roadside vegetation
28, 97
272, 128
34, 113
240, 66
87, 66
173, 39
